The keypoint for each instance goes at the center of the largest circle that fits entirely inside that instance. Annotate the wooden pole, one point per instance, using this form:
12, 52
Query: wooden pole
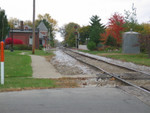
33, 33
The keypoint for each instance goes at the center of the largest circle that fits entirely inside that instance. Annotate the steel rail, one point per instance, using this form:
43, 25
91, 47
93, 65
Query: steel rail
132, 69
110, 74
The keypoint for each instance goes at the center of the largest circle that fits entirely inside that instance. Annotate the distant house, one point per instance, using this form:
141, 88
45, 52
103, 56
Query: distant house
25, 34
43, 34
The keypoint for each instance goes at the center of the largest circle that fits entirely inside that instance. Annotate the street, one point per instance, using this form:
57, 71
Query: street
71, 100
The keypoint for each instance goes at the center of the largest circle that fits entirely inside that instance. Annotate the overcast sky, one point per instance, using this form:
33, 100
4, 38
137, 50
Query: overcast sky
78, 11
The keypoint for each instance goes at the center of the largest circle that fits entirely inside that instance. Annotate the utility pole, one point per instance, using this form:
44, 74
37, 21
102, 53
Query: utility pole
33, 32
77, 35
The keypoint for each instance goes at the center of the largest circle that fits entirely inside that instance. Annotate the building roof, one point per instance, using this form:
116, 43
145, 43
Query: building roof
42, 27
23, 31
27, 27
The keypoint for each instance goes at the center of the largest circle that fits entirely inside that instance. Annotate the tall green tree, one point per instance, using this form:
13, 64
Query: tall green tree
84, 34
68, 32
4, 27
96, 28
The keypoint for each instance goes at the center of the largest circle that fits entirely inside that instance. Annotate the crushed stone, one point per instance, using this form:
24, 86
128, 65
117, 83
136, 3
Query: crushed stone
67, 65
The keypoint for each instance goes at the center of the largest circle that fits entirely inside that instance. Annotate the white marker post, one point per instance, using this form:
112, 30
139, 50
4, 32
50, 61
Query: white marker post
2, 62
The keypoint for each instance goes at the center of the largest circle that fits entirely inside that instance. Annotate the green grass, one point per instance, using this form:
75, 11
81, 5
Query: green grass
141, 59
18, 71
98, 52
17, 83
39, 52
17, 65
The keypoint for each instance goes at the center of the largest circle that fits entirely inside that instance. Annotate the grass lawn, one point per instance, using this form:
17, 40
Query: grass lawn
18, 72
141, 59
40, 53
98, 52
17, 65
19, 83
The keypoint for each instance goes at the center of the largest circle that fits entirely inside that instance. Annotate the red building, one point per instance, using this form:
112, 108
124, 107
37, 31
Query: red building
25, 34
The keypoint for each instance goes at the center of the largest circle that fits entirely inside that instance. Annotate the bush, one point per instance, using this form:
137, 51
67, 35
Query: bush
144, 43
100, 45
40, 47
15, 41
91, 45
111, 41
22, 47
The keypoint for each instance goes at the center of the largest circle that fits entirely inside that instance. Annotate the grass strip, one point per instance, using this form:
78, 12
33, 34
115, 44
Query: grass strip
99, 52
23, 83
141, 59
39, 52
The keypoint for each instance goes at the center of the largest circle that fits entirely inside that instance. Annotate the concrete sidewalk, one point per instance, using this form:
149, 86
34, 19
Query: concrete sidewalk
43, 69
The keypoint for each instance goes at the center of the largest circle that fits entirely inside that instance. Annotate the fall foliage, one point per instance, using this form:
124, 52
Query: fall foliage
48, 18
115, 28
14, 23
146, 28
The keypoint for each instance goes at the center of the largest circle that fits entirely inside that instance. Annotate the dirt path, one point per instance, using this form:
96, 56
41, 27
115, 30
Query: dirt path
43, 69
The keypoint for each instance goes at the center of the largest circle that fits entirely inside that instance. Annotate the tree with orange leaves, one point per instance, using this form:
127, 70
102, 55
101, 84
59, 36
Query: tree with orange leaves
116, 26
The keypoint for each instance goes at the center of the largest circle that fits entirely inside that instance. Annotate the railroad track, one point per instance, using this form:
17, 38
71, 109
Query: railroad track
129, 76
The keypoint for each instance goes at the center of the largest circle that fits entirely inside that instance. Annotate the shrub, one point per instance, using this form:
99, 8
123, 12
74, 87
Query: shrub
111, 41
145, 44
91, 45
100, 46
22, 47
40, 47
15, 41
